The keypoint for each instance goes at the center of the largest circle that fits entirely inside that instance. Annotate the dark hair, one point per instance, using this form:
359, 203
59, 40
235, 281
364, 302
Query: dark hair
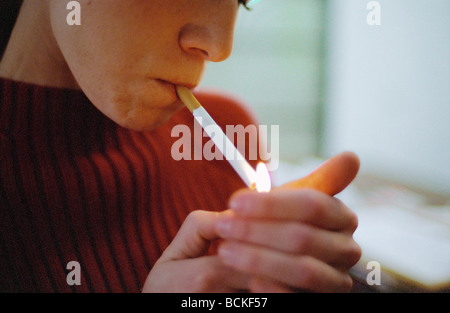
9, 11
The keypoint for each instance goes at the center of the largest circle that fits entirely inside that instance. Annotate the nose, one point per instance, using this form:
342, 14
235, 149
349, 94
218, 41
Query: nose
210, 35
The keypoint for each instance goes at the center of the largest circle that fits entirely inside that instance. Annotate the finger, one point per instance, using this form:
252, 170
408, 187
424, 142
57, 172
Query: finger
332, 176
299, 272
303, 205
210, 274
262, 285
203, 274
194, 237
331, 247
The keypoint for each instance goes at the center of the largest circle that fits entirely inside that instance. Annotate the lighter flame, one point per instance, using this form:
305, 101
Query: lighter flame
263, 183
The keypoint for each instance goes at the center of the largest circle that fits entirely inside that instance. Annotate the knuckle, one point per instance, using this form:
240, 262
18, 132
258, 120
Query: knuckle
353, 222
350, 254
313, 205
242, 230
347, 284
306, 274
205, 280
268, 203
351, 218
300, 238
251, 262
354, 253
193, 217
196, 217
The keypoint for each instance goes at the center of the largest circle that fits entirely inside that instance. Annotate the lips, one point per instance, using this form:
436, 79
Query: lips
173, 83
174, 103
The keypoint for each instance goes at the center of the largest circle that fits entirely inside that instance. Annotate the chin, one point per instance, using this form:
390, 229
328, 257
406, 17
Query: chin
147, 122
142, 112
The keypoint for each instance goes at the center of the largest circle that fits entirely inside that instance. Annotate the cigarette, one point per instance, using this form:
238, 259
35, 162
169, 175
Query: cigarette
223, 143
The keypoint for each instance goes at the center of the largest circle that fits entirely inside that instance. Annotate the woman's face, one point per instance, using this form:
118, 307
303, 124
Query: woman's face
127, 55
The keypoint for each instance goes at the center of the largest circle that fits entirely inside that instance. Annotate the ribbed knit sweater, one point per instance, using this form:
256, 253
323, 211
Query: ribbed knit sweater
75, 186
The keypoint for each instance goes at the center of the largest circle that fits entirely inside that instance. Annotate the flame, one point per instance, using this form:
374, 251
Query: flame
263, 183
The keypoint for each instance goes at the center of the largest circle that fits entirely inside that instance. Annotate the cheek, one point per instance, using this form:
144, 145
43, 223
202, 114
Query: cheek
131, 100
112, 69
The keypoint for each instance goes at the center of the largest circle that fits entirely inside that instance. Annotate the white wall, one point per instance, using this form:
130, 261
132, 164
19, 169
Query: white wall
388, 95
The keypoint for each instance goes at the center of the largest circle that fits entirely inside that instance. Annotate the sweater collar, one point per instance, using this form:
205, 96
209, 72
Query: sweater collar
32, 109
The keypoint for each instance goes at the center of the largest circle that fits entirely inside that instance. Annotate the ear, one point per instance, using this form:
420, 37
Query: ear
332, 176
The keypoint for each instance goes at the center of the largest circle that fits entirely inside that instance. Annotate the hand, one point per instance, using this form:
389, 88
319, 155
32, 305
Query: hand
185, 267
294, 238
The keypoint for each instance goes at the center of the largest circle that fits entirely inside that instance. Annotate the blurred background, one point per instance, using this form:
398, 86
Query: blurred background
277, 67
333, 83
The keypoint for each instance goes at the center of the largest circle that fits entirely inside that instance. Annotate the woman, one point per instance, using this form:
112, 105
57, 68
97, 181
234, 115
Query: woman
86, 172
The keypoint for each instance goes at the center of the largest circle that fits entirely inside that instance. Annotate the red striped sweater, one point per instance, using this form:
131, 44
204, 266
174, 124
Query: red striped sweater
74, 186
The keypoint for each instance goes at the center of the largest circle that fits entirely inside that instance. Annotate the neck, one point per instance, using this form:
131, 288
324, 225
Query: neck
32, 54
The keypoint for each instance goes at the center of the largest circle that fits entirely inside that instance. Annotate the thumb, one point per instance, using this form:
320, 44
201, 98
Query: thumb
194, 237
332, 176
